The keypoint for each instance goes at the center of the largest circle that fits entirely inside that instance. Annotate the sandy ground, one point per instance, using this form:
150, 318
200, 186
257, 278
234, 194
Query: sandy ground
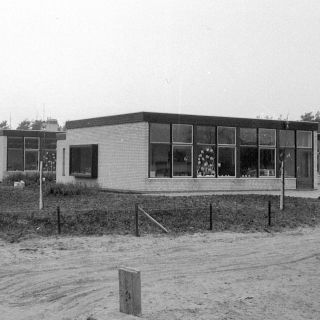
200, 276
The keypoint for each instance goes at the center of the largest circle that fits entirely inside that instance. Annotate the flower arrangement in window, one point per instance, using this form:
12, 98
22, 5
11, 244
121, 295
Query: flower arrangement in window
49, 161
206, 163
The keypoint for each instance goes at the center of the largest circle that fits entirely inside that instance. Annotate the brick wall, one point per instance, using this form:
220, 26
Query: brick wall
122, 155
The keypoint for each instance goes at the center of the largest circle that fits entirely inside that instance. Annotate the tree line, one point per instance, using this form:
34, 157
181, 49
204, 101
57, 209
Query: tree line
29, 125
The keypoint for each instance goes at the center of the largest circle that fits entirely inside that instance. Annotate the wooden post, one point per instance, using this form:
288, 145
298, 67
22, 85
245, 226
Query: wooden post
269, 213
41, 191
282, 186
130, 291
59, 225
210, 216
137, 221
153, 220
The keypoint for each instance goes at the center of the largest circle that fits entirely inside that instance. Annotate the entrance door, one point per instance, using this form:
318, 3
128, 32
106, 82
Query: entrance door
304, 169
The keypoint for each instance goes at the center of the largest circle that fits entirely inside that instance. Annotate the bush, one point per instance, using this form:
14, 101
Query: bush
30, 178
70, 189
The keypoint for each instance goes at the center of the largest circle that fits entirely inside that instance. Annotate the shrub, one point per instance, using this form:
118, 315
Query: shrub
70, 189
30, 178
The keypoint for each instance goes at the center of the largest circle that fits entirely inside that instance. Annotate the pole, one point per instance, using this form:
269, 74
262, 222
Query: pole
269, 213
41, 192
153, 220
210, 216
137, 221
59, 225
282, 186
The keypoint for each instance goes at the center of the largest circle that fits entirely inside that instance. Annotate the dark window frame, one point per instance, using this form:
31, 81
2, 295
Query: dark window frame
94, 160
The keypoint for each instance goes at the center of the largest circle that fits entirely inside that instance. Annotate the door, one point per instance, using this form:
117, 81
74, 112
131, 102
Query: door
304, 169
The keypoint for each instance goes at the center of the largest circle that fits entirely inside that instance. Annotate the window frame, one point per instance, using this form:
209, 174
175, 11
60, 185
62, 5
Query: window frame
94, 161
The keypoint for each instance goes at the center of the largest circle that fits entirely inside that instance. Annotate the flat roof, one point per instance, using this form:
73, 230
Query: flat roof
29, 133
155, 117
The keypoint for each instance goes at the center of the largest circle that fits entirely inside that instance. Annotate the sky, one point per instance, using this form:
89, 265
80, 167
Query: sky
76, 59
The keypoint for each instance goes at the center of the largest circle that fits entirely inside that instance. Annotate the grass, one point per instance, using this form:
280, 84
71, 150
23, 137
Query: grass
89, 211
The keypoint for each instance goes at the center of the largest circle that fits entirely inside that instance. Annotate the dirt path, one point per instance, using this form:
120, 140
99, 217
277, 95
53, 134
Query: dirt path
201, 276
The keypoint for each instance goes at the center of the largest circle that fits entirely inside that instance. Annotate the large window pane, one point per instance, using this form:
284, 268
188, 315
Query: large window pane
49, 160
49, 143
267, 162
289, 161
226, 162
31, 160
206, 135
15, 160
182, 161
31, 143
286, 138
304, 139
267, 137
206, 166
304, 164
226, 135
160, 161
84, 161
15, 143
248, 162
159, 132
181, 133
248, 136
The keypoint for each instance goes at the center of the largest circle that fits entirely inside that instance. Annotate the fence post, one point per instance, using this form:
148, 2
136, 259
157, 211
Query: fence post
59, 226
269, 213
137, 221
210, 216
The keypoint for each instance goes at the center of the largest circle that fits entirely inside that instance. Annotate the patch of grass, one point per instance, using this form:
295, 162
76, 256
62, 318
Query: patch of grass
90, 211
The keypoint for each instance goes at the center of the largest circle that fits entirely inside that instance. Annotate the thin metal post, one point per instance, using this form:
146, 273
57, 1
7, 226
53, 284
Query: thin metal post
59, 225
269, 213
137, 221
210, 216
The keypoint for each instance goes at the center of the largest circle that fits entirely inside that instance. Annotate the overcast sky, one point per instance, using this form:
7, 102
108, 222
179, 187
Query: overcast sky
76, 59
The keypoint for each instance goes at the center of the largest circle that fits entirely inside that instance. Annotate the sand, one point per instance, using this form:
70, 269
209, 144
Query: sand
200, 276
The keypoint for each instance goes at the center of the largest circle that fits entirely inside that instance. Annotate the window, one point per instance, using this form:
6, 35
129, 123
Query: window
15, 160
182, 137
63, 161
226, 152
248, 152
304, 139
206, 151
84, 161
160, 150
287, 152
31, 146
267, 152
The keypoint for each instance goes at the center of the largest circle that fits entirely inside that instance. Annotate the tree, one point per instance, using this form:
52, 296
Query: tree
308, 116
24, 125
4, 125
37, 125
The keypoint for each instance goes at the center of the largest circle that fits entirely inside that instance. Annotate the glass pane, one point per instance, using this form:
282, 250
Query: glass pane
248, 136
160, 161
226, 135
75, 156
182, 161
289, 158
304, 139
31, 160
226, 162
304, 164
267, 163
49, 143
206, 135
15, 142
86, 160
248, 162
49, 160
182, 133
286, 138
31, 143
267, 137
206, 161
159, 132
15, 160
